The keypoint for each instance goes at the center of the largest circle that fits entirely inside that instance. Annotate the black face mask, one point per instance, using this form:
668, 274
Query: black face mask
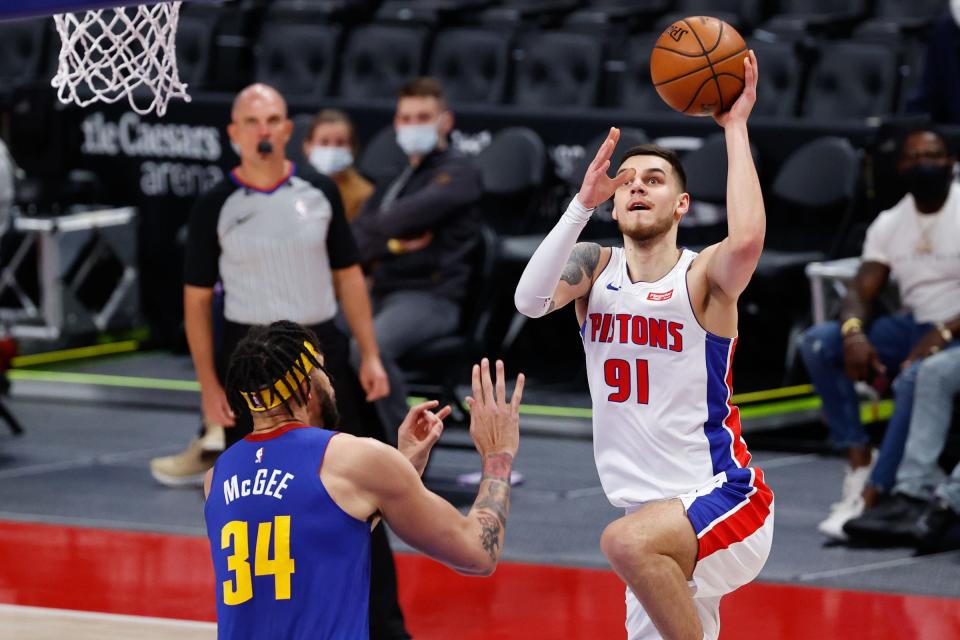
929, 183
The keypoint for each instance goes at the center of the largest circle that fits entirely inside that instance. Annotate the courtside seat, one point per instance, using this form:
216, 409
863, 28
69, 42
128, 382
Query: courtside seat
382, 159
809, 202
298, 59
559, 69
852, 80
472, 64
435, 368
379, 59
513, 169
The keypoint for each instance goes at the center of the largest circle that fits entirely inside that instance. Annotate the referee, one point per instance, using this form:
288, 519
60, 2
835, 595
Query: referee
281, 246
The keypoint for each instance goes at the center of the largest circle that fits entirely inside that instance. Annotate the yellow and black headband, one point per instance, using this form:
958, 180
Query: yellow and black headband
281, 389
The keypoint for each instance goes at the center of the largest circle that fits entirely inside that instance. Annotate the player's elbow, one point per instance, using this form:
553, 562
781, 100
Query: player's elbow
482, 566
530, 305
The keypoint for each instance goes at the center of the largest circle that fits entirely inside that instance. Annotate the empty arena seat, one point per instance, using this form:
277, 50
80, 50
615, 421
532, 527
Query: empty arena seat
614, 11
812, 194
635, 90
472, 64
195, 41
379, 59
429, 11
781, 78
797, 17
559, 69
852, 80
512, 169
332, 11
382, 159
22, 48
517, 11
901, 16
742, 14
298, 59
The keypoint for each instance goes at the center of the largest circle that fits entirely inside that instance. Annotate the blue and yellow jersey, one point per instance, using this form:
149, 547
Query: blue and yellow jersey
289, 562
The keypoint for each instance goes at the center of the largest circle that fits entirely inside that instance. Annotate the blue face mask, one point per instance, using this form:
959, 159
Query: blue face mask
330, 160
417, 139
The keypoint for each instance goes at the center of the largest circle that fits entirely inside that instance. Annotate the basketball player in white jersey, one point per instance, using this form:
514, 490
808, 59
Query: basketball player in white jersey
659, 326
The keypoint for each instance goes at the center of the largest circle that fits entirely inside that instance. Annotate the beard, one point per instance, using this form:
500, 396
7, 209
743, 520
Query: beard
644, 232
328, 413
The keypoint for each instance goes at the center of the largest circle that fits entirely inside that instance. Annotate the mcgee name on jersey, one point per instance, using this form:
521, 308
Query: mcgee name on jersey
639, 330
258, 485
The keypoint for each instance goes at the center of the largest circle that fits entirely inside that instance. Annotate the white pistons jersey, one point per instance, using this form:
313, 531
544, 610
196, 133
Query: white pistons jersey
661, 384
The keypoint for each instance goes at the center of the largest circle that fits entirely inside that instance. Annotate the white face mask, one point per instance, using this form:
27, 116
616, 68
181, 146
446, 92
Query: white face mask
955, 10
417, 139
330, 160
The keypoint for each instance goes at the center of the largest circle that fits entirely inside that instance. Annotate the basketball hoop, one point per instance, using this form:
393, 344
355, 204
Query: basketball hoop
109, 54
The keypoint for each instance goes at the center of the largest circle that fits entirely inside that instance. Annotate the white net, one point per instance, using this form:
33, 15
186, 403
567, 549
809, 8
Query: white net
109, 54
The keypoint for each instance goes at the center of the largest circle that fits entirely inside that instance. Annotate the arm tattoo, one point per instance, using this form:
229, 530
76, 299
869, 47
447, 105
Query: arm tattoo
493, 502
490, 530
583, 262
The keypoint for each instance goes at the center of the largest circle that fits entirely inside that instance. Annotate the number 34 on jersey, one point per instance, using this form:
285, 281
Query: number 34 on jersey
234, 536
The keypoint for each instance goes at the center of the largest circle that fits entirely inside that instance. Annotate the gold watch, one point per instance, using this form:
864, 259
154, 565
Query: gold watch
851, 326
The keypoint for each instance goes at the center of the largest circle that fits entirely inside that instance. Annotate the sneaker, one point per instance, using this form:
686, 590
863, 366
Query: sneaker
932, 529
184, 469
890, 522
840, 514
851, 501
214, 438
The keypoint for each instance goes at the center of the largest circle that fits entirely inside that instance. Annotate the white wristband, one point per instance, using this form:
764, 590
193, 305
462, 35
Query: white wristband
576, 213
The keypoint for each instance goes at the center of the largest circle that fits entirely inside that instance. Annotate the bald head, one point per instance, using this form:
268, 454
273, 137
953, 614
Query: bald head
260, 128
259, 92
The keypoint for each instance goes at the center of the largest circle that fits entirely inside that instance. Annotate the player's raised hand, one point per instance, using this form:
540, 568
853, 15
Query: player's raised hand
494, 422
419, 431
597, 186
740, 111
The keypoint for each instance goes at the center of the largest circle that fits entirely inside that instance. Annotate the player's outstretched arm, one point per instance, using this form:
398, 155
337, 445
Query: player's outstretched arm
471, 544
562, 270
733, 261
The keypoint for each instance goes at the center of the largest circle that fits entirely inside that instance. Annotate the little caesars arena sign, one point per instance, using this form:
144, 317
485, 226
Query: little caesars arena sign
179, 160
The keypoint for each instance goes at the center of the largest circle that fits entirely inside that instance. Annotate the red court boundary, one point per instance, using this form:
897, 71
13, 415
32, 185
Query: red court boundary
162, 575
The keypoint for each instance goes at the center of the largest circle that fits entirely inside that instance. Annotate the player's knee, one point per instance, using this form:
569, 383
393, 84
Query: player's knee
623, 544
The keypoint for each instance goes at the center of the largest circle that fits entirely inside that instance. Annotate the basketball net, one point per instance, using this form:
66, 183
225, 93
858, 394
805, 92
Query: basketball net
109, 54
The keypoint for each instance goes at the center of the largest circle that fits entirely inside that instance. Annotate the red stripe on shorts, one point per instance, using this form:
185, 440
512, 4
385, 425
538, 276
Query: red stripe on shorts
742, 523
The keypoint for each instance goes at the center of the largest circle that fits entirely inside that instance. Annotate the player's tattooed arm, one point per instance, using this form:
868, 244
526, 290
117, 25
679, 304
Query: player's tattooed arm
493, 502
582, 263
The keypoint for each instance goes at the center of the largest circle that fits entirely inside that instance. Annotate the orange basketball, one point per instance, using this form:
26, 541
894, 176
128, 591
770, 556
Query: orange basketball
697, 65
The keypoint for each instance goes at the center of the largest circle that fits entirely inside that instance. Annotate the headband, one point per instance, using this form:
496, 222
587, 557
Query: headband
281, 389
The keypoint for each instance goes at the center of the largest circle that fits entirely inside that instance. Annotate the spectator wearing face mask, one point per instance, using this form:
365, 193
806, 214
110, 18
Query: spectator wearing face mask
331, 148
915, 244
416, 234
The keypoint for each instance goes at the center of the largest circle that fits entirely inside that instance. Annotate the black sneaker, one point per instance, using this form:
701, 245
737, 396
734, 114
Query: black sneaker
937, 529
891, 522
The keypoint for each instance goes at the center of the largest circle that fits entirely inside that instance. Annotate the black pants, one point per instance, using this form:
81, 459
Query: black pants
359, 418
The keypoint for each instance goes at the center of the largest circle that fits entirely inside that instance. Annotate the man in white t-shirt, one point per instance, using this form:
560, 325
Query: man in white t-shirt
915, 244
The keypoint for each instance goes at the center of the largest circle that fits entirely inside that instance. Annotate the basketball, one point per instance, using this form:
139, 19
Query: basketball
697, 65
